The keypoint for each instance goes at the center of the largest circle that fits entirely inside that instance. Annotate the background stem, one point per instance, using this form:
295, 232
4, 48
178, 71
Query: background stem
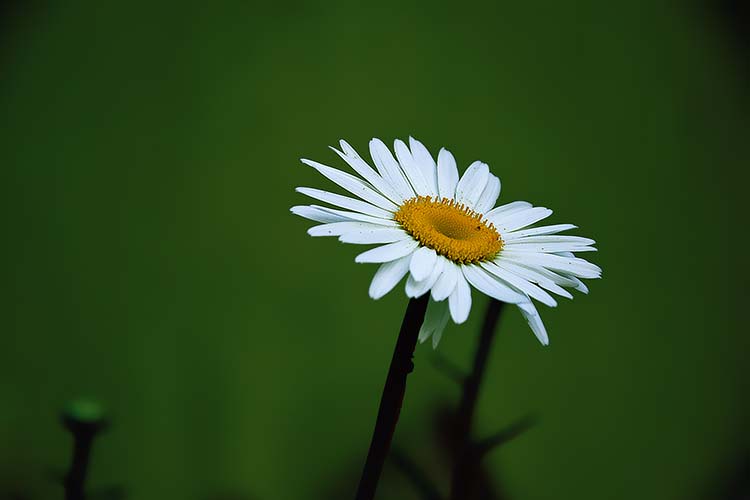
466, 463
393, 396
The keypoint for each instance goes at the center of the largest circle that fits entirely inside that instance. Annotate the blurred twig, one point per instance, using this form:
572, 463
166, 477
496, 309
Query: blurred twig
501, 437
419, 479
447, 367
463, 477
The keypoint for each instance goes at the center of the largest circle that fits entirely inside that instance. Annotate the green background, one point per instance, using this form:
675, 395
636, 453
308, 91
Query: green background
149, 154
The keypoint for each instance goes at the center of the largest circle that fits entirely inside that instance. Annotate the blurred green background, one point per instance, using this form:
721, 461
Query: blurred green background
149, 154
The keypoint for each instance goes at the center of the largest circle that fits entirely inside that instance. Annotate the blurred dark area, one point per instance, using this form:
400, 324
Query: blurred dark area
148, 158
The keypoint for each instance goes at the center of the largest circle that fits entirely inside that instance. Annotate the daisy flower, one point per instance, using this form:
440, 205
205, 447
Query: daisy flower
446, 234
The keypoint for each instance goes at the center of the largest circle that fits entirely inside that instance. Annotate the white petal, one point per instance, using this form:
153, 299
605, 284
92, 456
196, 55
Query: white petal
556, 228
358, 217
491, 286
446, 283
572, 240
416, 288
439, 331
371, 236
415, 175
352, 184
459, 301
497, 213
580, 286
422, 263
350, 156
489, 196
390, 169
523, 246
579, 268
535, 276
556, 278
521, 284
472, 184
316, 214
425, 162
434, 323
388, 276
339, 228
535, 321
447, 174
520, 219
387, 253
345, 202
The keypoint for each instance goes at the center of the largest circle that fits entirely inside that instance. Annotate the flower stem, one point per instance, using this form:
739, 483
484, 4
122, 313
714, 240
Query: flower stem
466, 459
393, 397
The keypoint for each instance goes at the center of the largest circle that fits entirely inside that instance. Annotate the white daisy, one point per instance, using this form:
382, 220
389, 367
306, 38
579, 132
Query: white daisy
445, 234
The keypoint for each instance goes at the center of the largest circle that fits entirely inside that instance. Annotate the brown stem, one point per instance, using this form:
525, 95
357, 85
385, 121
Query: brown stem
392, 398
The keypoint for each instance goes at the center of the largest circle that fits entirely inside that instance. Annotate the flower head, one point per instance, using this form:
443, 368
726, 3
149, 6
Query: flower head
444, 233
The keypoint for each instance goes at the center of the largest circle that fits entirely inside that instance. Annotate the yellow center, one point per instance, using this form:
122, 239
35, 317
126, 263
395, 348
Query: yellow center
450, 228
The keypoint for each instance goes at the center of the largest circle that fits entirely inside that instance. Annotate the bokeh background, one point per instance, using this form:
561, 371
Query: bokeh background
149, 153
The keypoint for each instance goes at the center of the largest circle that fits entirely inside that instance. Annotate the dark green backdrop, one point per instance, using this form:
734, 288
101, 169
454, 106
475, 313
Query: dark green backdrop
149, 155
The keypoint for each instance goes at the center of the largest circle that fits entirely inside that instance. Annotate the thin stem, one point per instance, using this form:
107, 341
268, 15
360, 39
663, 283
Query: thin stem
392, 398
466, 460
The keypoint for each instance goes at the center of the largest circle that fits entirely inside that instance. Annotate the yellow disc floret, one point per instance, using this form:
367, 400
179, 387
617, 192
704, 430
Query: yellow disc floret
450, 228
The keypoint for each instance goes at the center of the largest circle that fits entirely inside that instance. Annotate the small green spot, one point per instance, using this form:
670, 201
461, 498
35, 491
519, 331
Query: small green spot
84, 410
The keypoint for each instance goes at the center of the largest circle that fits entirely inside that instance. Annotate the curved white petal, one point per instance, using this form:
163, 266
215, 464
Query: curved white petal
554, 229
557, 278
425, 162
387, 276
416, 288
471, 185
446, 283
447, 174
579, 268
489, 195
387, 253
422, 263
491, 286
413, 172
370, 236
459, 301
523, 246
352, 184
497, 213
357, 216
580, 285
390, 169
535, 321
521, 284
534, 275
571, 240
345, 202
316, 214
434, 323
350, 156
339, 228
521, 219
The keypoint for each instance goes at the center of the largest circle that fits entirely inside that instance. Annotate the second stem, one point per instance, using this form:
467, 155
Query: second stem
465, 464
